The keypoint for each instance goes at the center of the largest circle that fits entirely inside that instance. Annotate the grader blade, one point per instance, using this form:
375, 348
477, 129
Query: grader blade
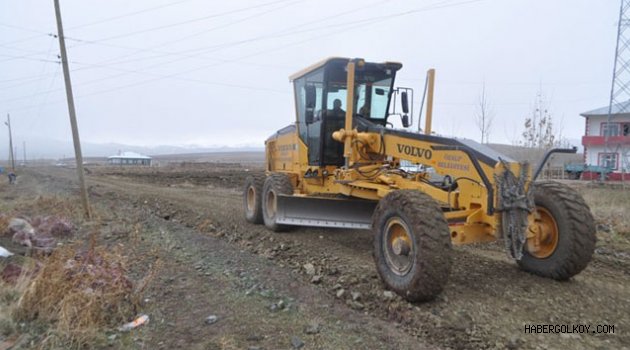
325, 212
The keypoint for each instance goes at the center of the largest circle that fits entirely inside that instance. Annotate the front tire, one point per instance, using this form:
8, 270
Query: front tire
566, 230
275, 185
412, 245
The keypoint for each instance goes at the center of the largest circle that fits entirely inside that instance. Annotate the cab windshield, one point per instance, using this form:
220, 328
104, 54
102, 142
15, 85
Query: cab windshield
373, 85
372, 95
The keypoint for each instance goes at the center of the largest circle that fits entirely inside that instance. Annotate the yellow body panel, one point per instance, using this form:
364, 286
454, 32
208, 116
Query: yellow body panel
465, 208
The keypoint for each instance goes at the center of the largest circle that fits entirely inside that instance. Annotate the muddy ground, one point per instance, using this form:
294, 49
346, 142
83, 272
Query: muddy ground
255, 281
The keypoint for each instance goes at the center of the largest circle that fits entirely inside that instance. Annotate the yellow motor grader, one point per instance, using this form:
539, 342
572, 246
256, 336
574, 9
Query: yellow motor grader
343, 164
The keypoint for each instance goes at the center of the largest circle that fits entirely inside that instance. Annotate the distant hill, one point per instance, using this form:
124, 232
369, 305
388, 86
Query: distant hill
56, 149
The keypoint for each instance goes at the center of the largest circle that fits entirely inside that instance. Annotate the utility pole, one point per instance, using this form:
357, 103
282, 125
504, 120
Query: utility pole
24, 150
11, 153
620, 88
72, 112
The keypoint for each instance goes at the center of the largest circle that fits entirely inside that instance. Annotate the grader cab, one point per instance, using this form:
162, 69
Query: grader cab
339, 165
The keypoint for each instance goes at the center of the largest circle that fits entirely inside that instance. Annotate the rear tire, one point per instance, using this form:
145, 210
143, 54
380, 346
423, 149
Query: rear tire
573, 248
275, 185
252, 198
412, 245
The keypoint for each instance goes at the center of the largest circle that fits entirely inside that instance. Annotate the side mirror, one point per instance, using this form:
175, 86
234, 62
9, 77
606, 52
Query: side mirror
310, 100
404, 101
405, 121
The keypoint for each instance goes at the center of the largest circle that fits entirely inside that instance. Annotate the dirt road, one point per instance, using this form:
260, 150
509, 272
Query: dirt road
216, 263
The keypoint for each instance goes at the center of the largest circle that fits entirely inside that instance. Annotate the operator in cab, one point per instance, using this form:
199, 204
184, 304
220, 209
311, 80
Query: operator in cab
337, 111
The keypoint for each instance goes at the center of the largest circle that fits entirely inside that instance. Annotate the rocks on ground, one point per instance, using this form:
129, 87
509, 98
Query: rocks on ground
296, 342
312, 328
212, 319
309, 268
40, 233
11, 273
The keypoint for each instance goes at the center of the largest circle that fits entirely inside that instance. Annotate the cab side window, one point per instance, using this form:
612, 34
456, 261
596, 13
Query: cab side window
309, 100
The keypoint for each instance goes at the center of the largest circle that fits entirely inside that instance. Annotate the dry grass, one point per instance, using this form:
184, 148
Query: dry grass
78, 293
81, 291
4, 224
610, 206
9, 296
59, 206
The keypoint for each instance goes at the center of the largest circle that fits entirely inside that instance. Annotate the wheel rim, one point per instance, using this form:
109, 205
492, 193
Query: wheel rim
251, 198
271, 204
545, 239
398, 246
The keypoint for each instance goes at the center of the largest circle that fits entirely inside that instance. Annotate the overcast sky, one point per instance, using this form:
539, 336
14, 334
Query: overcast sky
207, 72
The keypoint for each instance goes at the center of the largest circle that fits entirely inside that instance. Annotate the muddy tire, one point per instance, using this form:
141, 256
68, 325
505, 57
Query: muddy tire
275, 185
412, 245
571, 248
252, 198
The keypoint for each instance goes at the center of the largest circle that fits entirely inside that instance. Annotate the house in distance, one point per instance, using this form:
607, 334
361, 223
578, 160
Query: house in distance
607, 145
129, 158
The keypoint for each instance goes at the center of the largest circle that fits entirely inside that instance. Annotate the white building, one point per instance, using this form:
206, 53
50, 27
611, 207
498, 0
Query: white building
616, 155
129, 158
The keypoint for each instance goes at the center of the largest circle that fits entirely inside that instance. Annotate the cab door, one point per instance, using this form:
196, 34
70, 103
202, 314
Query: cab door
309, 92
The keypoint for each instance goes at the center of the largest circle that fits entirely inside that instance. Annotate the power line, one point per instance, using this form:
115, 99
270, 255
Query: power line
21, 49
45, 99
118, 75
82, 25
291, 30
105, 20
130, 14
242, 9
28, 77
160, 77
27, 58
163, 53
361, 23
285, 32
44, 66
22, 28
154, 28
28, 38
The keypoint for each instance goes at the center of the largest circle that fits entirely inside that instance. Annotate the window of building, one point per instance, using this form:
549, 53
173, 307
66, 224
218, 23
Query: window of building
625, 129
610, 129
608, 160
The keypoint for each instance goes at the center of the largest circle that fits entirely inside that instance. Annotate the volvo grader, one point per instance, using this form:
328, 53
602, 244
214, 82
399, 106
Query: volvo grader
343, 164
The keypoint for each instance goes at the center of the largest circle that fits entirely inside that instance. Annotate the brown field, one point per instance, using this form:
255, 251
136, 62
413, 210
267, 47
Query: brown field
180, 231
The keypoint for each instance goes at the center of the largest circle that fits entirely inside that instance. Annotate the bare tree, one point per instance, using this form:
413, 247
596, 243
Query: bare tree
484, 116
539, 126
561, 140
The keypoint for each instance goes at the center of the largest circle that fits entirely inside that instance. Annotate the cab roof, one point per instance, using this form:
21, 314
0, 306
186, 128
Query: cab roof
328, 60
